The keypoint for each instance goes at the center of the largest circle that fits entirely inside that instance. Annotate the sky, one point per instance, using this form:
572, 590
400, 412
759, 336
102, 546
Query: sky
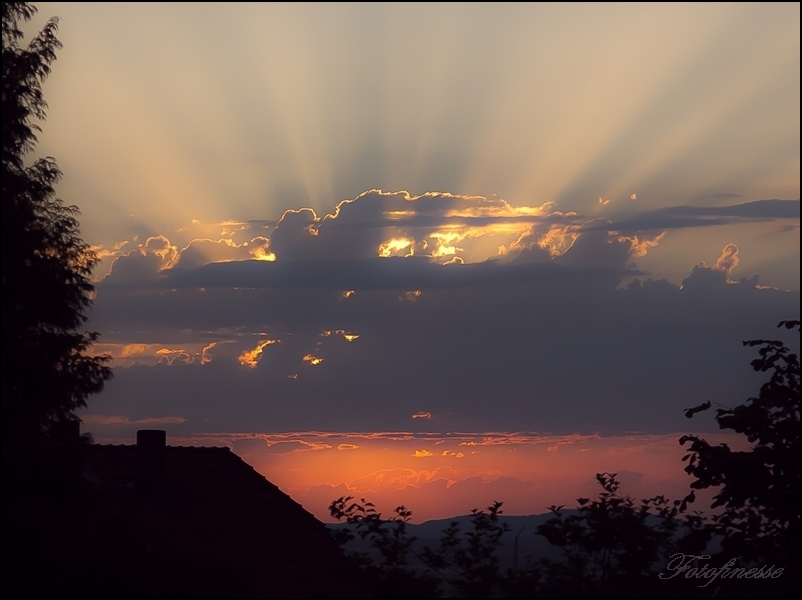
438, 253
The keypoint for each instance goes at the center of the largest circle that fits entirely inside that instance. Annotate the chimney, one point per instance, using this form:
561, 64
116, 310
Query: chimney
151, 450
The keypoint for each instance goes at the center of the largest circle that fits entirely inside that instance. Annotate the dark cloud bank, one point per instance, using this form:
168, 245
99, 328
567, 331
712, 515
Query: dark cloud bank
579, 342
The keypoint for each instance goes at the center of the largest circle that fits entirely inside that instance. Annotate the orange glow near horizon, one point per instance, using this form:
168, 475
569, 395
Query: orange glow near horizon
443, 475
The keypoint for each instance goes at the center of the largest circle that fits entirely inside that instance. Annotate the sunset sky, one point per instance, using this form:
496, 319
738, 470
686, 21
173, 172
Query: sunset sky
440, 253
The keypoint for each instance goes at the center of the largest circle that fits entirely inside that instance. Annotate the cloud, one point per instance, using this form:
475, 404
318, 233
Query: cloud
387, 224
682, 217
153, 256
150, 353
113, 251
347, 336
337, 249
439, 227
250, 358
312, 360
91, 419
452, 454
715, 281
728, 259
422, 454
561, 332
204, 251
129, 350
410, 296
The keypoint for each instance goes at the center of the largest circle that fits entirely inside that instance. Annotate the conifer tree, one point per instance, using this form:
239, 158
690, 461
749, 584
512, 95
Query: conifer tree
48, 371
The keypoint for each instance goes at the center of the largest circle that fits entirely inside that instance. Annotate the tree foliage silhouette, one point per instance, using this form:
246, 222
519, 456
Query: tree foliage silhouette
47, 370
467, 564
758, 489
613, 544
392, 576
470, 562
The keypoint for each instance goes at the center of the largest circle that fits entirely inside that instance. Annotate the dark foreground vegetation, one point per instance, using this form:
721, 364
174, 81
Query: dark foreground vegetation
616, 546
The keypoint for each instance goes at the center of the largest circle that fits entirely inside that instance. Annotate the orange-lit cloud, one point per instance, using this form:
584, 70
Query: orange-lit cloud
479, 206
259, 249
203, 251
170, 355
398, 215
159, 245
102, 252
251, 358
397, 247
422, 415
643, 243
348, 337
378, 223
154, 353
312, 360
555, 239
129, 350
204, 356
728, 260
422, 454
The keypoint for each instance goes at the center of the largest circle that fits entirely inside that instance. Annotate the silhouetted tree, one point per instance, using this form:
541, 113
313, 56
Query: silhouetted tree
463, 564
470, 563
392, 576
47, 371
758, 489
613, 544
